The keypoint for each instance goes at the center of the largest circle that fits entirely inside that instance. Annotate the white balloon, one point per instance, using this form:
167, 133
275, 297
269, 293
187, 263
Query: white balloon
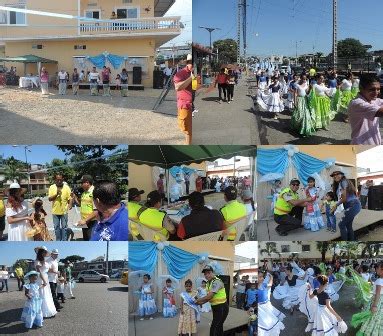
166, 243
160, 246
290, 152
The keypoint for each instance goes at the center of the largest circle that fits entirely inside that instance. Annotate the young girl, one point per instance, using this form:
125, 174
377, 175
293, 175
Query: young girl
32, 313
325, 317
312, 216
38, 224
328, 204
146, 304
206, 307
118, 82
276, 188
189, 316
374, 325
169, 308
252, 324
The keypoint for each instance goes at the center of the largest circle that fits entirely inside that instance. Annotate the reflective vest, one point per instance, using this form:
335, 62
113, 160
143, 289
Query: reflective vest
282, 207
153, 219
220, 296
133, 208
232, 211
86, 207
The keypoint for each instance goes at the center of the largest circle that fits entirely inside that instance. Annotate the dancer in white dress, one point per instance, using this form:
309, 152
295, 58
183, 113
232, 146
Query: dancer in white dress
48, 306
17, 214
271, 102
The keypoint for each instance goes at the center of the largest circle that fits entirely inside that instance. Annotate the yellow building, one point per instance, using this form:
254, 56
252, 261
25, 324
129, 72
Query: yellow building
138, 30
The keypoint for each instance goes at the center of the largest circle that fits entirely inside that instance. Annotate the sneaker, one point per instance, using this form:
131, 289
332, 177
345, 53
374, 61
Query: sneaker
195, 111
333, 231
275, 118
141, 319
219, 102
228, 101
192, 114
150, 318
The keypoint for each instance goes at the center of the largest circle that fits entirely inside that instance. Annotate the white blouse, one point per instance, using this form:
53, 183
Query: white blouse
346, 85
378, 282
320, 89
301, 89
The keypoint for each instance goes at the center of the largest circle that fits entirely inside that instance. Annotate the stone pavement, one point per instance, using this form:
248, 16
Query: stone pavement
229, 124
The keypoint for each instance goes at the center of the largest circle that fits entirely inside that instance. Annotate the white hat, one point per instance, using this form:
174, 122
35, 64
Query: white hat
189, 57
14, 185
55, 251
41, 248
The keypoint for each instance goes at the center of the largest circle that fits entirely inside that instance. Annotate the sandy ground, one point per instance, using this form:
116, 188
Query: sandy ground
87, 119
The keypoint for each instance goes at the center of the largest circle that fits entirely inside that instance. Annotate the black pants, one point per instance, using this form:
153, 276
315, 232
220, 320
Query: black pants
230, 91
53, 287
61, 297
20, 283
187, 184
289, 222
222, 88
193, 97
220, 313
87, 232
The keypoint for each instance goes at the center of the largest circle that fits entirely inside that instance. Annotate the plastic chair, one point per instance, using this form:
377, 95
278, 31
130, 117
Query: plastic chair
144, 233
212, 236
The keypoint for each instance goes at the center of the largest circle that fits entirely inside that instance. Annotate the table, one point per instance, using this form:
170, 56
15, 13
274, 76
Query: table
29, 81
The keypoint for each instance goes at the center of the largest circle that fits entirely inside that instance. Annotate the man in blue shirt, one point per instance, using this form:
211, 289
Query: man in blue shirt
113, 215
251, 295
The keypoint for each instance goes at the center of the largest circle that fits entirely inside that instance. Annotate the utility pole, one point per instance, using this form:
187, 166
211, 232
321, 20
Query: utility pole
239, 31
107, 258
335, 35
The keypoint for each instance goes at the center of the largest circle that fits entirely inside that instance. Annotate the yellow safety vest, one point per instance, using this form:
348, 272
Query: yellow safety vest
282, 207
220, 296
2, 208
153, 219
232, 211
86, 207
133, 208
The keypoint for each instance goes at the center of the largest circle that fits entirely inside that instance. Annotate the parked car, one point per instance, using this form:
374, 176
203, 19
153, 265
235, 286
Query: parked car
92, 276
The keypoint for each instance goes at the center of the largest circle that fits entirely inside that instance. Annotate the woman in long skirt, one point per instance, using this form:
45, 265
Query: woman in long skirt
44, 81
346, 95
303, 118
271, 102
321, 103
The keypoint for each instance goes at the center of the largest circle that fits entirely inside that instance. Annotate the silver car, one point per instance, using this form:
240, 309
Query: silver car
92, 276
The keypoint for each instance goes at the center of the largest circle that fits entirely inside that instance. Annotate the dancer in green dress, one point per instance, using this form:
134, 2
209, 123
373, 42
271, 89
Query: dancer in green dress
346, 95
321, 103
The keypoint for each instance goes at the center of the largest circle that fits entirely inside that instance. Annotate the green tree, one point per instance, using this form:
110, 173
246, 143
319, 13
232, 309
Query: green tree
23, 263
351, 48
62, 167
323, 247
350, 250
227, 50
72, 258
270, 249
14, 169
89, 150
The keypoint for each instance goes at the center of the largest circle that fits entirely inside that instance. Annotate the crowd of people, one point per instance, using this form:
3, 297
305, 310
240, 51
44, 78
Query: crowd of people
292, 211
315, 99
198, 218
226, 80
311, 288
103, 215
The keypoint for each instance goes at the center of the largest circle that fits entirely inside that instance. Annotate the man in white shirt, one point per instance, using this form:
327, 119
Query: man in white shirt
167, 73
63, 78
94, 78
53, 275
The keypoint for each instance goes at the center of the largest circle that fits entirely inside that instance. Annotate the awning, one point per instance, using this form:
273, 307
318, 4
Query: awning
167, 156
162, 6
27, 59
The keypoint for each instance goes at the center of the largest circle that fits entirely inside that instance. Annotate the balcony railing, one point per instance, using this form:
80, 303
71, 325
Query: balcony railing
155, 24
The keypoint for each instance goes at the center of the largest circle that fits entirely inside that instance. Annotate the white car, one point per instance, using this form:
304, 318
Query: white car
92, 276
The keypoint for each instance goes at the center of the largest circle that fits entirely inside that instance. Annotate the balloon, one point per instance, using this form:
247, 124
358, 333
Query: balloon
160, 246
296, 149
290, 152
166, 243
202, 259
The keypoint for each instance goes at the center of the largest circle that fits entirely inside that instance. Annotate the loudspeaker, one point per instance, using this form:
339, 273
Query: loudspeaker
226, 281
375, 198
158, 79
137, 75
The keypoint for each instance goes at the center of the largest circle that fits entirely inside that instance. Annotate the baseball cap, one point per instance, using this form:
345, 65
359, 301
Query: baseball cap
207, 268
134, 192
230, 192
336, 172
295, 180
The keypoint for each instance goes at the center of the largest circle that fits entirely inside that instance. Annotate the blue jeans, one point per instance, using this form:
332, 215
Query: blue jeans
351, 209
252, 328
60, 223
331, 221
4, 283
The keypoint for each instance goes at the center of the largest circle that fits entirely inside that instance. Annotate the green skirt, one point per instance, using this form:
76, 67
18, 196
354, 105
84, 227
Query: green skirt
374, 325
335, 101
354, 91
323, 114
303, 118
345, 99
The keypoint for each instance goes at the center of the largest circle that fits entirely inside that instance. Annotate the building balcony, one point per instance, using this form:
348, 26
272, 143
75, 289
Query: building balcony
151, 25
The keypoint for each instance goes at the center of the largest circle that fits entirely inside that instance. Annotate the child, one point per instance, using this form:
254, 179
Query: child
118, 82
169, 309
373, 325
206, 307
275, 190
146, 303
252, 324
32, 313
312, 216
329, 203
326, 317
189, 316
37, 222
61, 289
251, 295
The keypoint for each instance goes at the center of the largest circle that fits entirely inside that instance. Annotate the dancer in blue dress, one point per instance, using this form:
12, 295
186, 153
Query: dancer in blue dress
202, 292
312, 216
32, 313
169, 308
146, 304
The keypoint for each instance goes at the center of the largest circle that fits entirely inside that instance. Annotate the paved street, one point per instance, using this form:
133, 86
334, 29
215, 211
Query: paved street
99, 309
229, 124
296, 324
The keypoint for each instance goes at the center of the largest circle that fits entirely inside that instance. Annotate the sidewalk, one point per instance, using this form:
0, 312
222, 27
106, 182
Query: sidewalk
229, 124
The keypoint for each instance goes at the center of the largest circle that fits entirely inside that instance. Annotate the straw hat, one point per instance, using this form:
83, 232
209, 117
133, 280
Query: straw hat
41, 248
26, 276
15, 185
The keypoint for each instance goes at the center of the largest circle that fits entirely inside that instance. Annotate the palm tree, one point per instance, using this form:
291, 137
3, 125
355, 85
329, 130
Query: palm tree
323, 247
270, 249
351, 250
14, 169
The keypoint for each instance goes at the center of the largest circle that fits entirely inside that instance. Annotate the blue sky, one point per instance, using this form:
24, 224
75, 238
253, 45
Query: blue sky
182, 8
280, 23
38, 153
11, 251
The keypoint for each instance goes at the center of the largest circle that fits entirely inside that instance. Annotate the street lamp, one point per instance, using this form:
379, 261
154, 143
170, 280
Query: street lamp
210, 30
26, 150
296, 52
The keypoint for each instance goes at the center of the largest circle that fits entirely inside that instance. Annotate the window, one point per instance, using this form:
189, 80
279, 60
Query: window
127, 13
126, 1
285, 248
80, 47
306, 248
92, 14
37, 46
13, 18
